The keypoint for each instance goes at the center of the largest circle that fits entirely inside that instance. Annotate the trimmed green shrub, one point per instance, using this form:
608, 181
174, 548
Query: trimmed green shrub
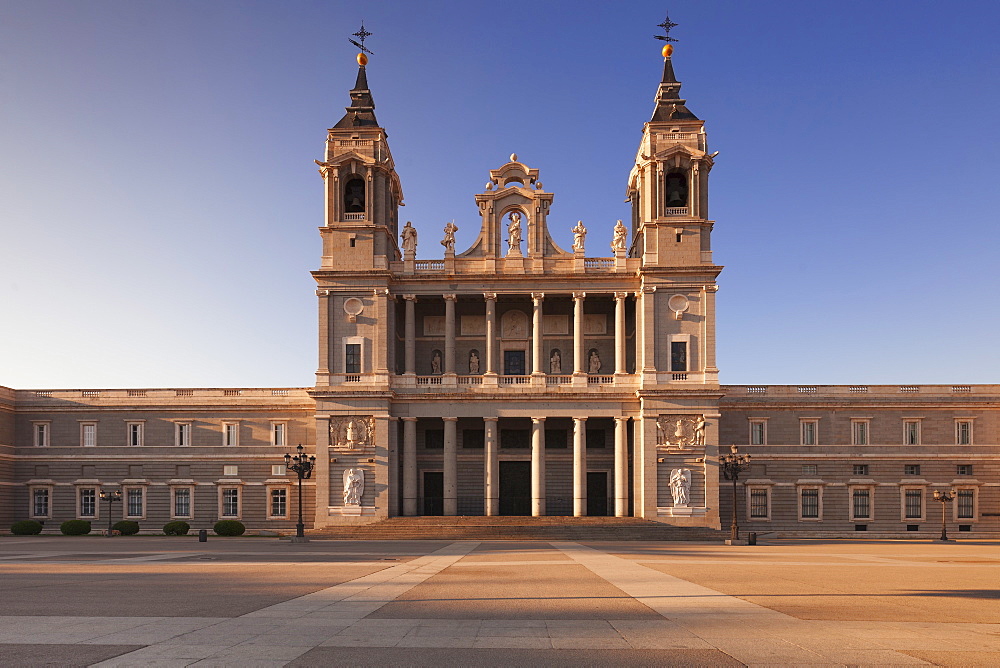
26, 528
176, 528
126, 527
229, 528
75, 527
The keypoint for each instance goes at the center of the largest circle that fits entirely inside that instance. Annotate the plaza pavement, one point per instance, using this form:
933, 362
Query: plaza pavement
166, 601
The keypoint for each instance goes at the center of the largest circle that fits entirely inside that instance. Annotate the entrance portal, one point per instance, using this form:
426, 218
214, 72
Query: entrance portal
433, 493
515, 488
597, 493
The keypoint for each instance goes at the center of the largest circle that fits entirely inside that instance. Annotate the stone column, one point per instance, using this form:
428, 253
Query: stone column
409, 466
491, 333
579, 466
538, 467
621, 466
410, 336
620, 332
449, 334
579, 363
392, 468
325, 333
648, 333
450, 466
537, 365
492, 466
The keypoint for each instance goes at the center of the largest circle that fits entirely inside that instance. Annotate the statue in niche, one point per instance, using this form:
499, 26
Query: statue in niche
436, 362
514, 233
579, 236
473, 361
680, 487
409, 237
555, 362
699, 430
354, 196
594, 361
677, 190
354, 486
449, 237
620, 238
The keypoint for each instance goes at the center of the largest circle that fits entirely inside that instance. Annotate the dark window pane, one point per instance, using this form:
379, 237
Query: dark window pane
596, 438
678, 356
352, 358
434, 439
515, 438
556, 438
473, 438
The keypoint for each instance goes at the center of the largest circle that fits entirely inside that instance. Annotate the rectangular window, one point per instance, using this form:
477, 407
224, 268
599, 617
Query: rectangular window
135, 434
88, 435
41, 434
963, 432
557, 438
182, 502
911, 469
911, 432
810, 469
810, 503
859, 432
40, 502
808, 430
278, 433
758, 432
279, 502
352, 358
473, 439
515, 438
88, 502
230, 470
434, 439
182, 434
678, 355
230, 502
758, 503
230, 433
963, 469
914, 503
862, 503
278, 469
596, 438
966, 504
134, 501
860, 469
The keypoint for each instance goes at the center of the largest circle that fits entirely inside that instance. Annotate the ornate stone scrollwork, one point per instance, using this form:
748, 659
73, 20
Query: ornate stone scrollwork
680, 431
352, 432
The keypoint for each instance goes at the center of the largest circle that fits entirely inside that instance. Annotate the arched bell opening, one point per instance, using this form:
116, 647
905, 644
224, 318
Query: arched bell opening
675, 189
354, 194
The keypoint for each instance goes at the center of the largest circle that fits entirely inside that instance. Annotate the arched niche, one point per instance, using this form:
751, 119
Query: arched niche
354, 194
675, 189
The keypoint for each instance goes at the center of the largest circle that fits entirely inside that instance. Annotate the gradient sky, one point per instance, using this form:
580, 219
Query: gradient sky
159, 201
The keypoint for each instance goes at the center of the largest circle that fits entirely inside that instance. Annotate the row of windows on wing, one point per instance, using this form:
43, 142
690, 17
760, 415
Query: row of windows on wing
810, 504
515, 439
182, 502
135, 434
860, 432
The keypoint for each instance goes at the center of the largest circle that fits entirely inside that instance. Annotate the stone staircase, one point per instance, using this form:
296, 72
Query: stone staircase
517, 528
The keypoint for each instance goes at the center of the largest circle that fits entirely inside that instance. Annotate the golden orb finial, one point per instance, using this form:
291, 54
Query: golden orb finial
668, 50
362, 59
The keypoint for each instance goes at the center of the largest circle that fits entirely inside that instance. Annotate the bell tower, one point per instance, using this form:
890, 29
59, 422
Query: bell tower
363, 193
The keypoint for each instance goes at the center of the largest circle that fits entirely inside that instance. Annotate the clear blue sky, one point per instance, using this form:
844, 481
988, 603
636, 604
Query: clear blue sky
159, 201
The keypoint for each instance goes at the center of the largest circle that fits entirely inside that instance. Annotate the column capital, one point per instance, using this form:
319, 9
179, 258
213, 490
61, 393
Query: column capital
409, 298
490, 296
621, 295
450, 419
323, 293
490, 419
408, 419
580, 419
537, 420
579, 295
622, 418
450, 297
537, 296
380, 292
649, 289
711, 288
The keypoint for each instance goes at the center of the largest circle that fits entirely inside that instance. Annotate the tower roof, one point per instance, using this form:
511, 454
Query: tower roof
669, 104
361, 113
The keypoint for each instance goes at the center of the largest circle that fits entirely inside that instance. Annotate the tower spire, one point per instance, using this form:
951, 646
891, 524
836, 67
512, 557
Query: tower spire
669, 104
361, 112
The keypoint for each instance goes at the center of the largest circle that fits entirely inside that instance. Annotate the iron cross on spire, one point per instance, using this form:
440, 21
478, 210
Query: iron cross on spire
666, 25
362, 35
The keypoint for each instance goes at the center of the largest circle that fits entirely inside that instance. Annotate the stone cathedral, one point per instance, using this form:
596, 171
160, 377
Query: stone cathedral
513, 377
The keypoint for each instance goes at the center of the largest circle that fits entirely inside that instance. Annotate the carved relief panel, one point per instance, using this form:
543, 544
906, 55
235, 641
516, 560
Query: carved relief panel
682, 432
352, 432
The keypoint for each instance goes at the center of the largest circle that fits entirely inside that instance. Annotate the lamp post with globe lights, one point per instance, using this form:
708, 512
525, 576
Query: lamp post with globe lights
302, 465
110, 497
732, 464
944, 498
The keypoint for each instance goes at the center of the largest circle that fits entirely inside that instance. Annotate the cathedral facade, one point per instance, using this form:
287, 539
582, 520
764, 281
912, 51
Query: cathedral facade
513, 377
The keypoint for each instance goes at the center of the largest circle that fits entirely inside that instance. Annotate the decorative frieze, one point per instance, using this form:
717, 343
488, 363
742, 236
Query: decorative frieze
352, 432
680, 431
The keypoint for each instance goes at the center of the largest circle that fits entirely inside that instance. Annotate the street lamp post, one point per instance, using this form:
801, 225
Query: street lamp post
303, 466
732, 464
110, 497
944, 498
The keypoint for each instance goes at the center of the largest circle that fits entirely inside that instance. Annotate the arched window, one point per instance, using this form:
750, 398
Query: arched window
354, 196
675, 191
